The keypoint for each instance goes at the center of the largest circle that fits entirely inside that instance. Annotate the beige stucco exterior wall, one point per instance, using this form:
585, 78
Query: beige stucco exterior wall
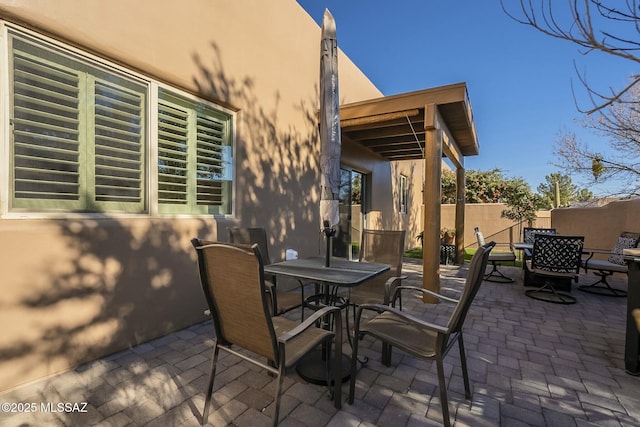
487, 216
78, 287
600, 226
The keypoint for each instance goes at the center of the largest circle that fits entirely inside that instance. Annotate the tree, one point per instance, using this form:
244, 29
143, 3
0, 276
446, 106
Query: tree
584, 195
622, 164
521, 202
448, 187
613, 28
608, 26
565, 191
481, 186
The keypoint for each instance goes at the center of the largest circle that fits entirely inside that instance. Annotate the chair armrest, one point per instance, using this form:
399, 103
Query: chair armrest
270, 288
596, 251
592, 252
310, 321
381, 308
423, 291
388, 287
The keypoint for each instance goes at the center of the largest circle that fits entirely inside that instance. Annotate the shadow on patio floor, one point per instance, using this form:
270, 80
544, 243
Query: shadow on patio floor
530, 363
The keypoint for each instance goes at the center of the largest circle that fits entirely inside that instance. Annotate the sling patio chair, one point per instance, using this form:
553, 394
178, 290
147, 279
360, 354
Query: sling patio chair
495, 258
232, 279
554, 263
419, 337
283, 300
613, 264
384, 247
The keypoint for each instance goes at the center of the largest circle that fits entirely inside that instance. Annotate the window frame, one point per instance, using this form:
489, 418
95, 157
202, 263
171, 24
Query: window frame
180, 96
149, 169
403, 195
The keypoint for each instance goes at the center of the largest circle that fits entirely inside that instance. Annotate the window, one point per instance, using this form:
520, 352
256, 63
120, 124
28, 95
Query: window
80, 132
404, 193
194, 157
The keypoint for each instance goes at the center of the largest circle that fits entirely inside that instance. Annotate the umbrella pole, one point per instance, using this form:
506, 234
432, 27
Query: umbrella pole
329, 232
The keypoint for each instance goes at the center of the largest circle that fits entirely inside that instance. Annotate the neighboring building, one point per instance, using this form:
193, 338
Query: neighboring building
127, 128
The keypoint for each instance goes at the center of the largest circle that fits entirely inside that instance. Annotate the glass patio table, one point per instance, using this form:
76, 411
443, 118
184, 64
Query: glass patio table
339, 274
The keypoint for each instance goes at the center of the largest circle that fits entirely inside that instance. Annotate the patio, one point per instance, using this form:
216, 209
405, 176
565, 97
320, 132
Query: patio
530, 363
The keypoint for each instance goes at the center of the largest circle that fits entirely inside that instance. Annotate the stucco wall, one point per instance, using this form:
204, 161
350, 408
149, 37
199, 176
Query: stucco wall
600, 226
75, 288
487, 216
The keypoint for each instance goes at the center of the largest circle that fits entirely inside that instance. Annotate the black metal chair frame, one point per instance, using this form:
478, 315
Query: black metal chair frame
554, 258
495, 259
604, 269
529, 236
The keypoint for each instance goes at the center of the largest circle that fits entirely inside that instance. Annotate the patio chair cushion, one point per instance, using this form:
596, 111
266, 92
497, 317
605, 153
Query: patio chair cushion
622, 243
502, 256
599, 264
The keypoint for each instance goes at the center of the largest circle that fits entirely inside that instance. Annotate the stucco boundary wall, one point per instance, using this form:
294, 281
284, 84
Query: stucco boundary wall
487, 216
600, 226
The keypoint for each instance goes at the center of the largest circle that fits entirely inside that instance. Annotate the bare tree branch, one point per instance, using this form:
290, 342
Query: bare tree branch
589, 25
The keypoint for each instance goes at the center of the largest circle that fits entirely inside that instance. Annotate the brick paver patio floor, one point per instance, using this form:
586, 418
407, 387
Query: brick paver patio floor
531, 363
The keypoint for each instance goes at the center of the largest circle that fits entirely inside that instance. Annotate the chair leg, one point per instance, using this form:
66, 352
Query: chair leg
354, 361
350, 338
337, 364
212, 375
463, 363
604, 289
548, 293
276, 409
496, 275
386, 354
443, 392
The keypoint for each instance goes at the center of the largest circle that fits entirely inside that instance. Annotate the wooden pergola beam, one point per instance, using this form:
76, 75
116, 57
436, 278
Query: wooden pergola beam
378, 118
438, 140
431, 195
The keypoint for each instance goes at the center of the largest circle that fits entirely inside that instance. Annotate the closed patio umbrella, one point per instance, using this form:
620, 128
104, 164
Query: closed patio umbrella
330, 141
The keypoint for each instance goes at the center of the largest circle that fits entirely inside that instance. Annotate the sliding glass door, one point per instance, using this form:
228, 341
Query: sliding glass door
347, 240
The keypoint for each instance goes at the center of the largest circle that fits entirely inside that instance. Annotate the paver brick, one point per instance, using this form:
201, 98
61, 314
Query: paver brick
530, 363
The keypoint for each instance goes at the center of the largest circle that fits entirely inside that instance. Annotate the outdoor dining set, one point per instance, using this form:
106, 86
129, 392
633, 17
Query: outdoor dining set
248, 306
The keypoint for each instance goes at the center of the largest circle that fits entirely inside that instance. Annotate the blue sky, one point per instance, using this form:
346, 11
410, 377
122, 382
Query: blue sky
519, 80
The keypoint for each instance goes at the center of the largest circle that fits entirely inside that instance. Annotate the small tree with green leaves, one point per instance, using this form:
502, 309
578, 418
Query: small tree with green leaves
481, 186
559, 186
521, 202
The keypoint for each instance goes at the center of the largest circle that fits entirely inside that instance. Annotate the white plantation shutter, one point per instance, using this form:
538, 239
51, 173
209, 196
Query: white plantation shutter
193, 171
172, 153
46, 132
118, 140
78, 134
210, 169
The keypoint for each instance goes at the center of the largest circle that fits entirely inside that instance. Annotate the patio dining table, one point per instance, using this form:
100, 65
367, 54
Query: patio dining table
521, 246
340, 273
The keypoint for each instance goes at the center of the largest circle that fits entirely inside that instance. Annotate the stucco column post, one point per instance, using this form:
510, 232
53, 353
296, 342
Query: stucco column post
431, 194
460, 203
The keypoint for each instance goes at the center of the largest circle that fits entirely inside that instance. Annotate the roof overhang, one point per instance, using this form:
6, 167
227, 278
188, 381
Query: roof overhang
395, 126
